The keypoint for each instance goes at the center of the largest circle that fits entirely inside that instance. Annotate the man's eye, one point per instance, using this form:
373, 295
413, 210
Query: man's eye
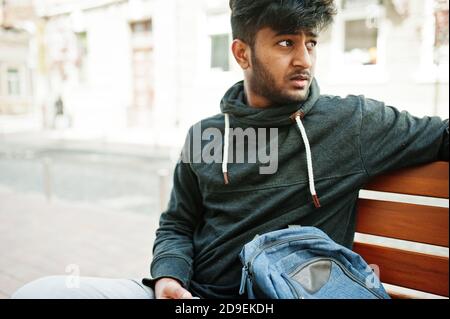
311, 44
285, 43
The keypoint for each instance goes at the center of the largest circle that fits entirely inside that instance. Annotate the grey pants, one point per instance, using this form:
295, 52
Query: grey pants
65, 287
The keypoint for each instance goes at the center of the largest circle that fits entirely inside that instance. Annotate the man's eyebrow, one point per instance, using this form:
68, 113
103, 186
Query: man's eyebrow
309, 33
312, 34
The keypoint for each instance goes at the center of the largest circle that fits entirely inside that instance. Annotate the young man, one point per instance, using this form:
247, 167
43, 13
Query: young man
327, 148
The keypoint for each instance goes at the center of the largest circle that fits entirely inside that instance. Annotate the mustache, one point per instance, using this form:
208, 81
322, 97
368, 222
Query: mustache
304, 75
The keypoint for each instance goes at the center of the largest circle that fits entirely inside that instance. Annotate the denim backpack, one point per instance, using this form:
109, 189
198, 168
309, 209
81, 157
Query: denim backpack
304, 263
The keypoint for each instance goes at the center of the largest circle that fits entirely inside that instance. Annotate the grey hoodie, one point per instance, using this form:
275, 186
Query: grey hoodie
351, 139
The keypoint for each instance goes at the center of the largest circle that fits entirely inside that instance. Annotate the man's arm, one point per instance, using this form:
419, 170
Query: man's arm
391, 139
173, 251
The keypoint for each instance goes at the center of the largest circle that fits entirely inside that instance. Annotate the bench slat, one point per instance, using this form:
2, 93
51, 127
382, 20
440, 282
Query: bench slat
426, 180
412, 270
395, 295
418, 223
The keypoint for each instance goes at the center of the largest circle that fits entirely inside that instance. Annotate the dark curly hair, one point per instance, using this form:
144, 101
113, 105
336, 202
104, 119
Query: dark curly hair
284, 16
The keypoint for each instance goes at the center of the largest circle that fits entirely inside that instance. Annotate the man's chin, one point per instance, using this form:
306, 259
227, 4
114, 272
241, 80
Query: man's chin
298, 96
289, 97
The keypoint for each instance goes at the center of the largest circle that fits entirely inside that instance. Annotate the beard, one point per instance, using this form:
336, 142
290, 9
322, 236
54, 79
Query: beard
263, 83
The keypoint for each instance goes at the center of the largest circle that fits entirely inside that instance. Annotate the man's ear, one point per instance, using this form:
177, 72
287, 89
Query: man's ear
241, 52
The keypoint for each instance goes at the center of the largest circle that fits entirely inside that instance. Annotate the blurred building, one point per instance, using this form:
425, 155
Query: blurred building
135, 64
396, 51
392, 50
157, 66
98, 63
16, 75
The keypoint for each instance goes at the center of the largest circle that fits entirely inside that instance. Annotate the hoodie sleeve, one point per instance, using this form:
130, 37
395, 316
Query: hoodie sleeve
391, 139
173, 247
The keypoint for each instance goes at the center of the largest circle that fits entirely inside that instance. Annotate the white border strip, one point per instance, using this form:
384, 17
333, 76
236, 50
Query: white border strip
402, 198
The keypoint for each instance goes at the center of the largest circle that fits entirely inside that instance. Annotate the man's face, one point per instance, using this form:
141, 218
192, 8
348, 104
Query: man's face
282, 66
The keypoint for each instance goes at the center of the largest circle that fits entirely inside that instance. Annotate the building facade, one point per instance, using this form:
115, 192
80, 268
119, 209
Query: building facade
158, 66
16, 74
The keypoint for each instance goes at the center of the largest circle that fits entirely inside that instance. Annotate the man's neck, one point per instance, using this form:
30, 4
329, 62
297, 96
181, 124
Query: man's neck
254, 100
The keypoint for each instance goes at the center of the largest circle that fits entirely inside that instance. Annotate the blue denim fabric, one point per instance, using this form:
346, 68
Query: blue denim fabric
304, 263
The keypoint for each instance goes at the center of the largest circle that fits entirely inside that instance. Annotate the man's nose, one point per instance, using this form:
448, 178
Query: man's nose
302, 57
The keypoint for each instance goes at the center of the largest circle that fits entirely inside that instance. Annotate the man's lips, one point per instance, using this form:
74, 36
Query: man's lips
300, 81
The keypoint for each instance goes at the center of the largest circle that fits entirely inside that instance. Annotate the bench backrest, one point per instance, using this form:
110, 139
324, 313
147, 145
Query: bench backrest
418, 271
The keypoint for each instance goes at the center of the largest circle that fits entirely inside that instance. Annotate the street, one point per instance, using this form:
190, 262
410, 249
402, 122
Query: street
120, 182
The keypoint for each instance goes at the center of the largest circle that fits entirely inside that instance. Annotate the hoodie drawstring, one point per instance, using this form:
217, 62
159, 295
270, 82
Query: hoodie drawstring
225, 149
298, 116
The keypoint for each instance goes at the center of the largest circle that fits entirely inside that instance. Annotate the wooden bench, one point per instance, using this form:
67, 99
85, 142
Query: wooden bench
423, 274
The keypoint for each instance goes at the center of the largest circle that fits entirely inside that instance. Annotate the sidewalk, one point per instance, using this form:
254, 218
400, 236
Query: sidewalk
40, 239
19, 123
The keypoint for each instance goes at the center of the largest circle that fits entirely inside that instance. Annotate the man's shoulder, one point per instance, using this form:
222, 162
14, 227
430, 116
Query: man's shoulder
340, 104
349, 99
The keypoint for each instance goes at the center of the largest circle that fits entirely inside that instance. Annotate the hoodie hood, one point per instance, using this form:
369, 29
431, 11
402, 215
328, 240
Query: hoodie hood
234, 103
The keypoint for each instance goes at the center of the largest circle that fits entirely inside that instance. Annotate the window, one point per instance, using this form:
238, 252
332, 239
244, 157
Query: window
141, 34
143, 78
220, 52
360, 42
13, 81
141, 26
142, 64
361, 20
441, 41
82, 51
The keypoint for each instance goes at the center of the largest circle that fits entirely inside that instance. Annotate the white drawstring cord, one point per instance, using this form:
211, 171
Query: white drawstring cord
312, 188
225, 149
298, 120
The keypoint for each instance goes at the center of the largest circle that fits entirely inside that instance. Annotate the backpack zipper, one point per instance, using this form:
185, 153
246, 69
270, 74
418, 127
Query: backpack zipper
291, 286
244, 277
247, 270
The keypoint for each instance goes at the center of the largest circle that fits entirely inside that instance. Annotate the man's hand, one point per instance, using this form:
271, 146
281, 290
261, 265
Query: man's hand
168, 288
